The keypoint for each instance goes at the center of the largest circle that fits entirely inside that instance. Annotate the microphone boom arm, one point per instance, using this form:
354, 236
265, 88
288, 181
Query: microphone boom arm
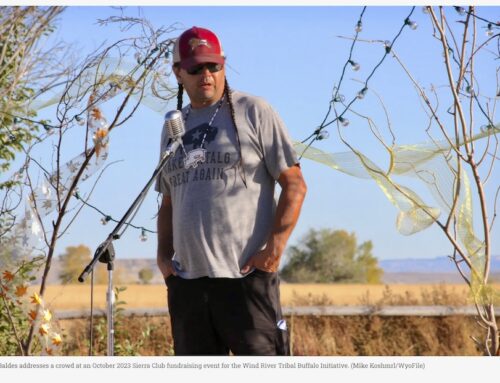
105, 249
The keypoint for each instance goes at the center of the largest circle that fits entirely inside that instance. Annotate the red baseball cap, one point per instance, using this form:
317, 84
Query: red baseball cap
198, 46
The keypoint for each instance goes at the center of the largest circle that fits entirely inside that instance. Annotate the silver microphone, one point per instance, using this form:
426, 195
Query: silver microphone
175, 129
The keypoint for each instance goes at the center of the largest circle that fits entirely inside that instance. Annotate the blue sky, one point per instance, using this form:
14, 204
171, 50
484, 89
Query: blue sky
291, 56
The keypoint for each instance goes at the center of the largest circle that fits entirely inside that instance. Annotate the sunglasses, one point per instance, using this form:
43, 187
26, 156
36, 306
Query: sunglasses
198, 69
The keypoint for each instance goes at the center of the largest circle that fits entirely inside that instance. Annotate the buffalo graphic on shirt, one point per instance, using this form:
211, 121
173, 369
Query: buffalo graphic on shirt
194, 137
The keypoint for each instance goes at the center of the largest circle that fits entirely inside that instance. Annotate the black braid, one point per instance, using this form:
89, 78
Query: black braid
228, 93
179, 97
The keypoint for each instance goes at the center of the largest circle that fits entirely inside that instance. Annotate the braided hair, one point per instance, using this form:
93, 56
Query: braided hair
180, 92
229, 96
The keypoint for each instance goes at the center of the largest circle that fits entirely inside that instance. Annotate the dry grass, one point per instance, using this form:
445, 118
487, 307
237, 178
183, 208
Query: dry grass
68, 297
310, 335
73, 297
383, 336
147, 336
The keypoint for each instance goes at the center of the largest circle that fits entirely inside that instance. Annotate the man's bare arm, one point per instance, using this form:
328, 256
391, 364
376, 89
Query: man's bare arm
165, 250
293, 191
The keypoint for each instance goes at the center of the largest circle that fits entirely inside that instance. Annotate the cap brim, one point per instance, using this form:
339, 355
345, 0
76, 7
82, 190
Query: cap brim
200, 59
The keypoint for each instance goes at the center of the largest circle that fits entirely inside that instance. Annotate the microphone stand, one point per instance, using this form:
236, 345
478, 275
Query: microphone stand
105, 253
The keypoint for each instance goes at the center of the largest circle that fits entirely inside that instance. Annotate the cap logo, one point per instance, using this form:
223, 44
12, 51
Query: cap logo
195, 43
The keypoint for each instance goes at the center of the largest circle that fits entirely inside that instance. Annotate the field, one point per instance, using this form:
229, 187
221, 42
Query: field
311, 335
71, 297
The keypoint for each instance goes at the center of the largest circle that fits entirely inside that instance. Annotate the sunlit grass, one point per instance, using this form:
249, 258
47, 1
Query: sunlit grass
68, 297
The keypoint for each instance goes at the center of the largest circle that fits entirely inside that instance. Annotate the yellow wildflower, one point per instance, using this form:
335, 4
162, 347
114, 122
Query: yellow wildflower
44, 329
35, 298
21, 290
47, 315
8, 276
56, 339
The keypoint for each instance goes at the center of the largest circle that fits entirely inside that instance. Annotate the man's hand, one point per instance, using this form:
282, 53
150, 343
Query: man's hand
264, 260
166, 267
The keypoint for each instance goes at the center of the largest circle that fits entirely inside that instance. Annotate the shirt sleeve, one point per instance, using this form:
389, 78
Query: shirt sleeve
276, 144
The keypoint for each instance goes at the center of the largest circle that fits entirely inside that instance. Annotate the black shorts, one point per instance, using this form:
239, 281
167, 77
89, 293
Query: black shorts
216, 316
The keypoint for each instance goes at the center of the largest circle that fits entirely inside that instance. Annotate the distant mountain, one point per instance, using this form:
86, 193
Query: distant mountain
428, 270
427, 265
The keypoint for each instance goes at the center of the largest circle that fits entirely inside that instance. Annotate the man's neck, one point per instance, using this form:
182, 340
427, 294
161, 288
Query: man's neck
207, 104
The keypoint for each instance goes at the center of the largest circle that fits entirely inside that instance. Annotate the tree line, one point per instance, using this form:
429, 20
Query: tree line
320, 256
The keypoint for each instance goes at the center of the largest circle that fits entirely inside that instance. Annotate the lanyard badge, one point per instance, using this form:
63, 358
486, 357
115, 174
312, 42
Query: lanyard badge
199, 155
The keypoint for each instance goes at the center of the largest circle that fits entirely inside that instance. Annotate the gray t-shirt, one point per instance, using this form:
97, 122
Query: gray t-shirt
218, 223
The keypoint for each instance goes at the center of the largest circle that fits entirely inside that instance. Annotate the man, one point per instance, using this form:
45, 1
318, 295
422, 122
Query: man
220, 233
